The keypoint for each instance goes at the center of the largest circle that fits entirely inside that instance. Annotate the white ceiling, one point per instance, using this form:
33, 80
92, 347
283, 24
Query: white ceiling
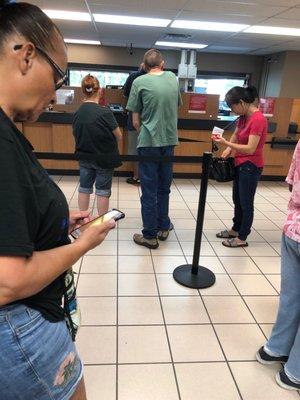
284, 13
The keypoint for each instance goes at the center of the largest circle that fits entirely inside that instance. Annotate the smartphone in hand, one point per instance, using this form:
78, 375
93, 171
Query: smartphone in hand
111, 214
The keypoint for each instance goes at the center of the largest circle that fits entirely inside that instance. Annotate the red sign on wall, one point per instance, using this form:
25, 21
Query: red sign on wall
266, 106
198, 103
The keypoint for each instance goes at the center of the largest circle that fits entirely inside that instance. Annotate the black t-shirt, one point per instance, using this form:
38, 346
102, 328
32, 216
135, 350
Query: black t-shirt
126, 92
93, 127
34, 214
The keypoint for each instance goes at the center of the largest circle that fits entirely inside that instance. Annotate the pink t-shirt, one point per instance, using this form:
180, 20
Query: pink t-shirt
291, 227
256, 124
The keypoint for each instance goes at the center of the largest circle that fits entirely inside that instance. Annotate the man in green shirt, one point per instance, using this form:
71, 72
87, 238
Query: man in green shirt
154, 100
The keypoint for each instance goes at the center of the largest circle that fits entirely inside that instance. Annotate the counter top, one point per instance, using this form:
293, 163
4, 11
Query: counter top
184, 124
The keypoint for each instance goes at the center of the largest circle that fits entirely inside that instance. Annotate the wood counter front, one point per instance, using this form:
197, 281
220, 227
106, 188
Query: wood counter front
58, 138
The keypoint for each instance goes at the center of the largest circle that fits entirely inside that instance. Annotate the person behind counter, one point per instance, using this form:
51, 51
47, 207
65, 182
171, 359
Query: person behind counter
132, 134
38, 359
96, 133
247, 141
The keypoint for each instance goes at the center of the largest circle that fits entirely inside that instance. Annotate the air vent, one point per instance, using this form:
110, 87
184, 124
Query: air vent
176, 37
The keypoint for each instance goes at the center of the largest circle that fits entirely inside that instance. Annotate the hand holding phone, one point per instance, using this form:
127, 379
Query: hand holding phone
111, 214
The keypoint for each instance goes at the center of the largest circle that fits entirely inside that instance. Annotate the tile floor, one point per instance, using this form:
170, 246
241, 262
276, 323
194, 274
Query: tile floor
145, 337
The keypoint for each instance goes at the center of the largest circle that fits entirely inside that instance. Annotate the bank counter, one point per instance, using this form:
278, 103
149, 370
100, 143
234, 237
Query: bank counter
197, 116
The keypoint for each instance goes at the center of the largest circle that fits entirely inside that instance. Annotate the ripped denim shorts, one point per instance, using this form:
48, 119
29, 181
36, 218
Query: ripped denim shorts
38, 360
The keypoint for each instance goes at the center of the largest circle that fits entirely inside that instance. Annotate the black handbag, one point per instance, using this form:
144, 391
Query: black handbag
222, 170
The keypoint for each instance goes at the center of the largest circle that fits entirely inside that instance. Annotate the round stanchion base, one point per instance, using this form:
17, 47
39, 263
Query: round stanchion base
204, 279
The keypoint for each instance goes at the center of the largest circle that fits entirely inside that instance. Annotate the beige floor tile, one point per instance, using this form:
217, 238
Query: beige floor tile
184, 223
240, 342
266, 207
222, 287
184, 310
252, 285
268, 265
139, 311
131, 223
264, 225
221, 206
239, 265
267, 329
137, 285
143, 344
257, 382
210, 262
275, 281
186, 214
260, 249
223, 251
135, 264
276, 247
224, 214
107, 248
206, 249
199, 381
194, 343
98, 310
100, 382
168, 249
167, 264
147, 382
217, 224
169, 287
129, 204
129, 248
187, 235
99, 264
97, 345
227, 309
264, 308
271, 236
97, 285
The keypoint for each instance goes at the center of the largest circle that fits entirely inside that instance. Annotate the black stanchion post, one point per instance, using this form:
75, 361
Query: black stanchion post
193, 275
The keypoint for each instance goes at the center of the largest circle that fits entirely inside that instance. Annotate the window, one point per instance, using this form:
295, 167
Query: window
220, 86
104, 77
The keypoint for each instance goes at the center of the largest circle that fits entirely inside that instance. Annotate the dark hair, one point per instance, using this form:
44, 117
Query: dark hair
90, 85
152, 58
238, 93
29, 21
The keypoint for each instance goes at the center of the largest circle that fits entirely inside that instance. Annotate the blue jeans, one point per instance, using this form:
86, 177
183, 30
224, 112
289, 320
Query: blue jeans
285, 336
156, 179
245, 183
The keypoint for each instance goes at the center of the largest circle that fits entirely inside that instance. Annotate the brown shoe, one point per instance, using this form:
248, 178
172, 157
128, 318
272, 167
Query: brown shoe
150, 243
163, 235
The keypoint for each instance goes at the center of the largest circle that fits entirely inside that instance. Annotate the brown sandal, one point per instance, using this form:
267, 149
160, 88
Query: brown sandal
225, 235
233, 243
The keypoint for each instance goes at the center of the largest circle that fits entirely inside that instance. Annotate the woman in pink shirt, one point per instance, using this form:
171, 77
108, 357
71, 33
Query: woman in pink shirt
247, 141
284, 343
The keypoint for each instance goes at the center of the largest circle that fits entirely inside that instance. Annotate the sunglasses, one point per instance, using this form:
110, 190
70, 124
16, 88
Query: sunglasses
58, 72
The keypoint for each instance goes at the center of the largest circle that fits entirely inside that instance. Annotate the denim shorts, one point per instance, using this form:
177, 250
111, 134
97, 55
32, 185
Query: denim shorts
38, 360
91, 173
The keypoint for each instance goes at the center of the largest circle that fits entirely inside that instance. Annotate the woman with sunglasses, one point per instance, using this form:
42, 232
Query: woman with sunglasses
247, 142
38, 359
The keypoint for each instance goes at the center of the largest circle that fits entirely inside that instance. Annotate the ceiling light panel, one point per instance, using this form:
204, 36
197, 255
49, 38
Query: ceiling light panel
82, 41
181, 45
273, 30
129, 20
208, 26
68, 15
